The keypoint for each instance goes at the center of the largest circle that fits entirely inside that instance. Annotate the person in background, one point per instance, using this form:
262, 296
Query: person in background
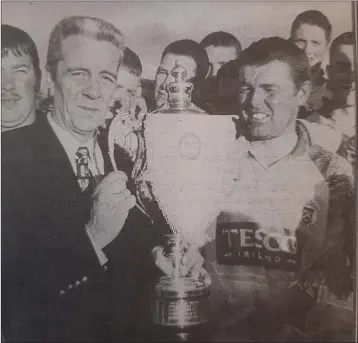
221, 47
284, 238
128, 111
73, 251
311, 32
21, 78
225, 100
339, 107
191, 55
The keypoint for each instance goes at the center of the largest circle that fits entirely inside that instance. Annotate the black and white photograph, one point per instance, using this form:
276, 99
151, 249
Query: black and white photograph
178, 171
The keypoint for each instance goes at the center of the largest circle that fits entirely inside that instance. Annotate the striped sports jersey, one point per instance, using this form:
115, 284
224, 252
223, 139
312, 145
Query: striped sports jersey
290, 223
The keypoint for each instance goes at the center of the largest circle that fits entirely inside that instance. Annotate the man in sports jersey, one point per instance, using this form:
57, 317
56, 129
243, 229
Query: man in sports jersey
283, 239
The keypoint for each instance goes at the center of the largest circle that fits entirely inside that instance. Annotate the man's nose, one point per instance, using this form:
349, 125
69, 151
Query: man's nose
309, 49
93, 89
8, 82
255, 98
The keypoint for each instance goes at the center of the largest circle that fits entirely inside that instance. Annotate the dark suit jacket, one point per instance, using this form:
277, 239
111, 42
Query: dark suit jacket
53, 286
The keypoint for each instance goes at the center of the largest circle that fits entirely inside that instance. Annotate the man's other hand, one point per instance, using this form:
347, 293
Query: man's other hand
111, 204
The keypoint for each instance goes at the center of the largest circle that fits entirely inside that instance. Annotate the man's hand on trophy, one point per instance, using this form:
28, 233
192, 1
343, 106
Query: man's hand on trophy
191, 264
111, 204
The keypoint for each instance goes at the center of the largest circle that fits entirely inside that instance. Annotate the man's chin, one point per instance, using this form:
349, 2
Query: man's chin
8, 121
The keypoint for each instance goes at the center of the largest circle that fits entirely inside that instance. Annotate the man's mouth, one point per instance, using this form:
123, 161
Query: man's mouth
9, 101
257, 117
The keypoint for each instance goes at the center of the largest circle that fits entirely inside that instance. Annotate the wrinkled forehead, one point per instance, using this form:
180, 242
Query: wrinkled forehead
342, 53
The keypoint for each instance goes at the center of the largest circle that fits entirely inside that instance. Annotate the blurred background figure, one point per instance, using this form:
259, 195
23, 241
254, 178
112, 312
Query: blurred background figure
339, 109
221, 47
21, 78
311, 32
128, 106
191, 56
227, 84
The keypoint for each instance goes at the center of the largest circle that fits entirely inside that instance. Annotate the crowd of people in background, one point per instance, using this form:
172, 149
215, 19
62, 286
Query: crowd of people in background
78, 262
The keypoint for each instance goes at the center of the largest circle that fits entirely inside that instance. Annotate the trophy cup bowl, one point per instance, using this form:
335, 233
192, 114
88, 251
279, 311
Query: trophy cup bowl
180, 172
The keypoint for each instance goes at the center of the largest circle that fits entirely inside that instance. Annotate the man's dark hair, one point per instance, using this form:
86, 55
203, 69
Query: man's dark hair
271, 49
190, 48
313, 17
132, 62
345, 38
19, 43
221, 38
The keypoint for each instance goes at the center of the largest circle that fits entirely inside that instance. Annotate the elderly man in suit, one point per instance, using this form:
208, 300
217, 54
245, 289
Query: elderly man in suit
71, 257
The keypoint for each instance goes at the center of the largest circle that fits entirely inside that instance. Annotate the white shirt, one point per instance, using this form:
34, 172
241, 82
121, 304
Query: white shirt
96, 163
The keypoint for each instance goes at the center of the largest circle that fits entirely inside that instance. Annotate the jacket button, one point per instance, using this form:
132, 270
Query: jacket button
70, 286
77, 283
84, 279
62, 292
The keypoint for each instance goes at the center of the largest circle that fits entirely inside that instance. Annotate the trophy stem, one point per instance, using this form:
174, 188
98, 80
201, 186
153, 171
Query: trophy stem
177, 257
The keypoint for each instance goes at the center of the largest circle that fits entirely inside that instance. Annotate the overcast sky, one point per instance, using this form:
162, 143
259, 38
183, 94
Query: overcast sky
150, 26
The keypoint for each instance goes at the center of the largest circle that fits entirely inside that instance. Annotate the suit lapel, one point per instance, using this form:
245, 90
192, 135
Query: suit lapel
55, 169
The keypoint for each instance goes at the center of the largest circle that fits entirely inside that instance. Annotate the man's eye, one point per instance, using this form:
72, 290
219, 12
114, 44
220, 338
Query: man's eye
299, 42
109, 79
243, 90
79, 74
161, 71
21, 70
316, 43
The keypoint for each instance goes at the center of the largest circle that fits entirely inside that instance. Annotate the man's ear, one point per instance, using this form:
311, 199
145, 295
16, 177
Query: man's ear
50, 83
304, 93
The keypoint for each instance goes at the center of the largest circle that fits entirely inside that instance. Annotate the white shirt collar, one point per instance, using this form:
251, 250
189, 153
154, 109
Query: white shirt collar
71, 145
276, 149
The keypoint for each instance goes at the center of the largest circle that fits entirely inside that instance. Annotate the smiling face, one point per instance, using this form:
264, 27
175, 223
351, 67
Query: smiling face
312, 39
164, 76
269, 100
18, 91
84, 84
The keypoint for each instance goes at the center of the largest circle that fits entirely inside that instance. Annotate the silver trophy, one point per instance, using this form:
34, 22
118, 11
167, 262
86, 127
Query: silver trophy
181, 169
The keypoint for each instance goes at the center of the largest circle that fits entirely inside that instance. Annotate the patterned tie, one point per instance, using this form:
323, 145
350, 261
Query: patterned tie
84, 175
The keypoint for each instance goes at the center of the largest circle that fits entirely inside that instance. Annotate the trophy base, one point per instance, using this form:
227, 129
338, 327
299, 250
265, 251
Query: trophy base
196, 333
182, 308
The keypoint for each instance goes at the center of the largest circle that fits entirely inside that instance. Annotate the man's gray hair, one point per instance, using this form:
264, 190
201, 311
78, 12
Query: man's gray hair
98, 29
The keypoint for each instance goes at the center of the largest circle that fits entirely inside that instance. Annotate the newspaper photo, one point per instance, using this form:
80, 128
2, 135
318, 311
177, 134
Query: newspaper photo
178, 171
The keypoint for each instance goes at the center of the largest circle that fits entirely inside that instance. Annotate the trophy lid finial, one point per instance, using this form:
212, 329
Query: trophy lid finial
179, 72
179, 91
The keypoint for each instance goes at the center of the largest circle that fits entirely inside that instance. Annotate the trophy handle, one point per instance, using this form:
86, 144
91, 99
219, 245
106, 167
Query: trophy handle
140, 165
